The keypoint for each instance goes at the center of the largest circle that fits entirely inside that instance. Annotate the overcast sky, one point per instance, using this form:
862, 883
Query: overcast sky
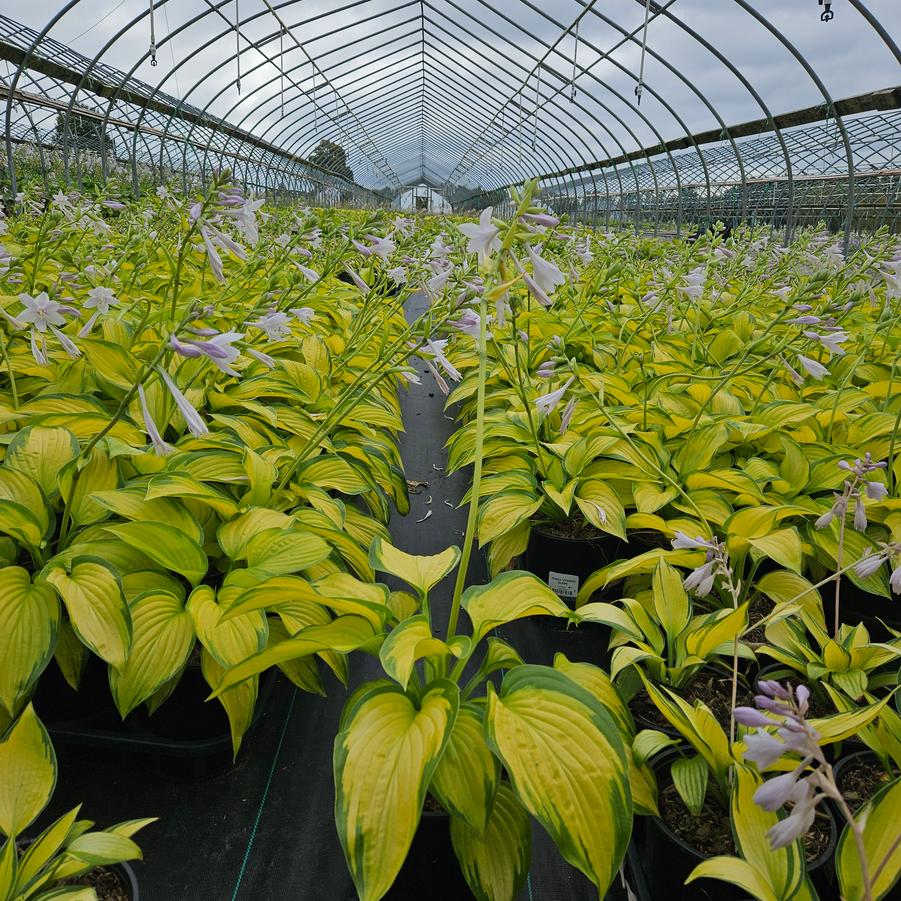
466, 92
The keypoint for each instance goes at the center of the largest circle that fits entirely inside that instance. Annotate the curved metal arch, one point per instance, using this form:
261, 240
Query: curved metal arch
584, 71
603, 106
565, 127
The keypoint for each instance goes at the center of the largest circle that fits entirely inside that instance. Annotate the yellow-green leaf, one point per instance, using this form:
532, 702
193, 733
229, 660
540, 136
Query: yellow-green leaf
42, 453
27, 773
512, 595
385, 755
880, 838
420, 572
567, 764
29, 626
162, 640
169, 547
466, 779
495, 861
408, 642
670, 599
280, 551
504, 511
97, 608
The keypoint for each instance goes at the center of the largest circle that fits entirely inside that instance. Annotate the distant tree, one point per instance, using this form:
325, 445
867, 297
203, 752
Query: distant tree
84, 132
333, 158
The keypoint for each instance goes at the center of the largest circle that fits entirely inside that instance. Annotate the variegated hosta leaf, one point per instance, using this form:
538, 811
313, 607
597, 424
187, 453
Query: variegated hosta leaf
162, 640
169, 547
42, 453
385, 756
27, 773
568, 766
467, 776
420, 572
510, 596
768, 874
880, 838
344, 634
97, 609
495, 861
281, 551
29, 627
408, 642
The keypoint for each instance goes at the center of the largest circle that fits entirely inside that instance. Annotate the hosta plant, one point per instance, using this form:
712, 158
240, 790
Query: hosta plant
39, 870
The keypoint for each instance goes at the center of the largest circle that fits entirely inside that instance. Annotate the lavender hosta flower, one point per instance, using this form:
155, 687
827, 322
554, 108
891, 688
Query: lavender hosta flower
275, 324
812, 367
702, 579
860, 515
565, 419
469, 323
895, 580
66, 342
831, 342
436, 349
304, 315
694, 283
439, 379
583, 252
38, 348
156, 439
113, 204
362, 249
793, 373
780, 790
398, 275
536, 290
192, 418
265, 359
101, 299
311, 275
438, 250
795, 825
544, 219
221, 350
355, 278
804, 320
547, 403
482, 238
382, 247
41, 312
683, 542
546, 369
435, 285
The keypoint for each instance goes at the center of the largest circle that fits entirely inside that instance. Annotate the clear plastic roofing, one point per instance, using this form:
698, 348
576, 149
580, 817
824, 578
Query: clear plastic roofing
465, 96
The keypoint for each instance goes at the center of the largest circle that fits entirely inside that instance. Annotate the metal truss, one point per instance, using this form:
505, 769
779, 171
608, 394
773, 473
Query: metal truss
467, 97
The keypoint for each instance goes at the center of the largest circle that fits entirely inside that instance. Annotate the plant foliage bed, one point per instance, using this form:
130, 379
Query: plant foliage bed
213, 417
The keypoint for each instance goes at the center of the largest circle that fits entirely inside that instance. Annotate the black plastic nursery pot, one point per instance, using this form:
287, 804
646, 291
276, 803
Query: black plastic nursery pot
55, 701
859, 606
566, 562
855, 761
668, 860
187, 738
126, 876
430, 862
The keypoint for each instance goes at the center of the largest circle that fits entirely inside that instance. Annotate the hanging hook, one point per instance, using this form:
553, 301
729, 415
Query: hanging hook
572, 81
827, 15
644, 47
152, 37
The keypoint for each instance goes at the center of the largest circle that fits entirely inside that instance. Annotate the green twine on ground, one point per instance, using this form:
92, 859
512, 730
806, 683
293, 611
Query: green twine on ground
259, 816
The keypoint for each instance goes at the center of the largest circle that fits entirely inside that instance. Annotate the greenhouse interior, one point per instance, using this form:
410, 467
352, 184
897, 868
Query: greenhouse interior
450, 449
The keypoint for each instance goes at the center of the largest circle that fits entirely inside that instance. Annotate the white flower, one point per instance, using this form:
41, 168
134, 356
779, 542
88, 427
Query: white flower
41, 311
303, 314
812, 367
469, 323
684, 542
162, 192
382, 247
192, 418
547, 275
309, 274
830, 341
101, 299
156, 439
483, 238
274, 324
436, 349
546, 403
398, 275
796, 824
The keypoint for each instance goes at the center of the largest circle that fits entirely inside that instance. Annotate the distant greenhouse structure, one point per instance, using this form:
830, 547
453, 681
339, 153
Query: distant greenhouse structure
360, 104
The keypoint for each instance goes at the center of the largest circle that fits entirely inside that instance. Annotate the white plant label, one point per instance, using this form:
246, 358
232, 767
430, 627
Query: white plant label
564, 584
